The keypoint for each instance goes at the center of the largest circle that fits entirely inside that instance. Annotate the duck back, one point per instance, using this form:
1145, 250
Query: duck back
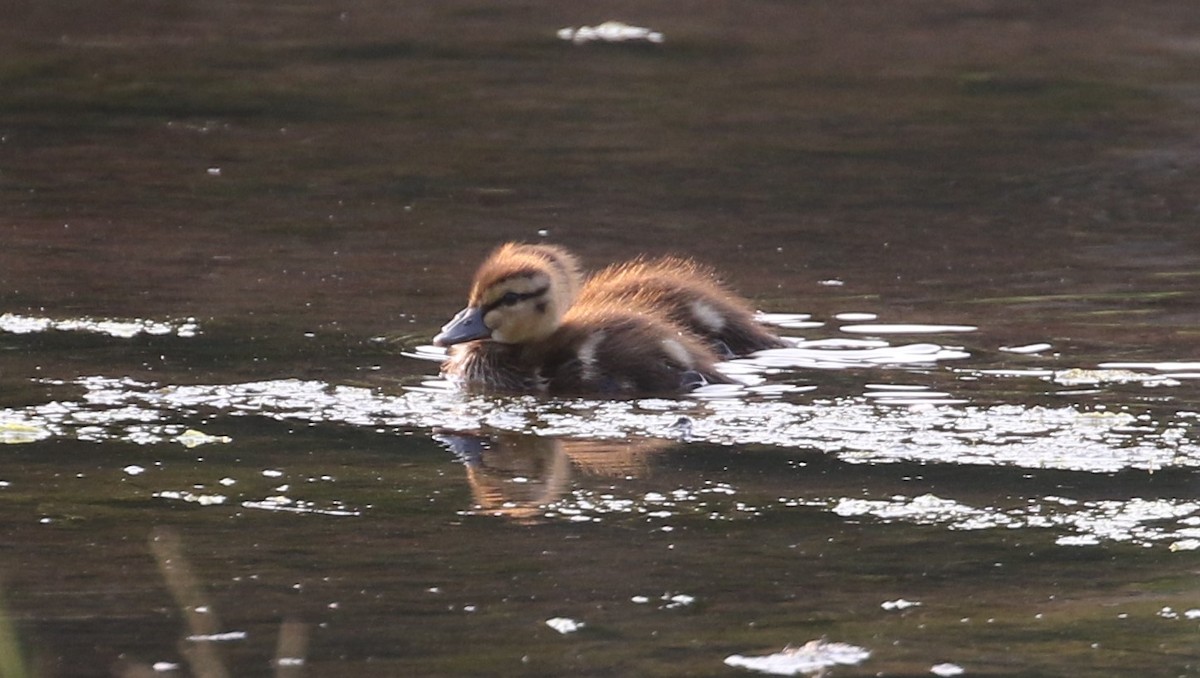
687, 293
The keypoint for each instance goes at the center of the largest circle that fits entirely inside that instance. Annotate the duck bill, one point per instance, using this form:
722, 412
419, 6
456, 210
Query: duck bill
466, 326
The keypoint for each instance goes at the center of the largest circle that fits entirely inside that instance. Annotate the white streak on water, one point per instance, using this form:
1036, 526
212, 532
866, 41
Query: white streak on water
1067, 437
1140, 521
812, 657
21, 324
905, 328
564, 625
610, 32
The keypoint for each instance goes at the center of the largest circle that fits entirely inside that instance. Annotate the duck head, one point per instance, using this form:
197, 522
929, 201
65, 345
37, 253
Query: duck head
519, 295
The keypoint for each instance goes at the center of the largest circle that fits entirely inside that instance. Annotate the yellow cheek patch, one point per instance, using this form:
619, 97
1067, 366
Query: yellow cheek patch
494, 318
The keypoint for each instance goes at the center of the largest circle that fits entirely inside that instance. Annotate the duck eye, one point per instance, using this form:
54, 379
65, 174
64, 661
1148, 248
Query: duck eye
509, 298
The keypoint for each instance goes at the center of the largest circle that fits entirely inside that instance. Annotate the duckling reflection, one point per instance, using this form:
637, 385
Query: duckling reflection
518, 476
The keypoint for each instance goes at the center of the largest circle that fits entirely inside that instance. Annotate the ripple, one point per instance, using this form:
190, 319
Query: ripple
289, 505
126, 328
900, 328
854, 429
1078, 376
813, 657
1144, 522
1160, 366
610, 32
1027, 349
792, 321
835, 354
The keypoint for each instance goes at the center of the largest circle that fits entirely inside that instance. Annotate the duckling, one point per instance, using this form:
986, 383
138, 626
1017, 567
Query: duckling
535, 337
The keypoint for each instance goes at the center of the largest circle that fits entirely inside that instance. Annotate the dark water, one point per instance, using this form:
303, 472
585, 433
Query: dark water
227, 226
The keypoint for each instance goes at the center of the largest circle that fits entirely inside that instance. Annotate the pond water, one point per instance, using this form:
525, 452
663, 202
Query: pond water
231, 230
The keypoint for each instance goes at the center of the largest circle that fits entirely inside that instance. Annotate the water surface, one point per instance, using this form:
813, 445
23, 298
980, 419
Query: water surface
230, 227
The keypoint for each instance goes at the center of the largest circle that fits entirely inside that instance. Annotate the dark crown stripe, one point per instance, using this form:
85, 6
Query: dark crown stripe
512, 298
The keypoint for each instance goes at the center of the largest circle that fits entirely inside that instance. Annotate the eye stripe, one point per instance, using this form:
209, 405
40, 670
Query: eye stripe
513, 298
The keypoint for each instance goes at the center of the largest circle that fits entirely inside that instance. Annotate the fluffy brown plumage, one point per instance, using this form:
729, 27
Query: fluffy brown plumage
647, 326
687, 293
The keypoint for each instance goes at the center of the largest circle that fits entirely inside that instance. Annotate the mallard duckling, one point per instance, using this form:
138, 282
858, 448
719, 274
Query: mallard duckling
668, 289
537, 338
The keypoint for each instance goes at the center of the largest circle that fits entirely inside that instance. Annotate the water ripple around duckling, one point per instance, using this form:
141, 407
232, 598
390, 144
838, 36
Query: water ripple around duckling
938, 419
917, 403
873, 428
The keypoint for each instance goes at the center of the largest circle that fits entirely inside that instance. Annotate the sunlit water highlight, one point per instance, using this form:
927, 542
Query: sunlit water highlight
855, 429
122, 328
891, 420
811, 658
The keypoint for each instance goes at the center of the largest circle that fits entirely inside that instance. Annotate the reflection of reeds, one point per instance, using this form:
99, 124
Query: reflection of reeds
202, 621
291, 650
12, 665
